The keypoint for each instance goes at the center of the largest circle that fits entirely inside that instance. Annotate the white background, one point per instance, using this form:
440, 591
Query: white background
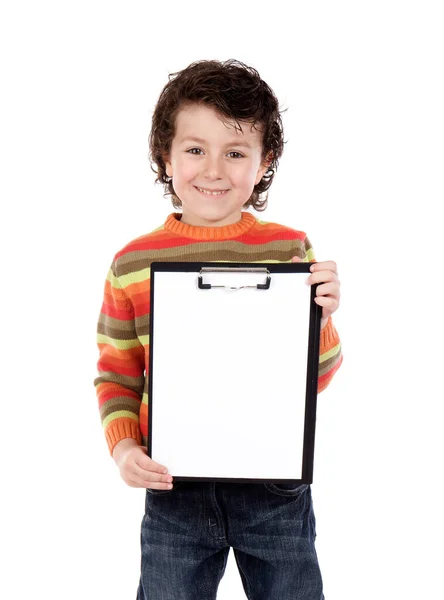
362, 174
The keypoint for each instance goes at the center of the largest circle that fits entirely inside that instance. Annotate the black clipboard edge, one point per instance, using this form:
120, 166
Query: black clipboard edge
312, 388
312, 364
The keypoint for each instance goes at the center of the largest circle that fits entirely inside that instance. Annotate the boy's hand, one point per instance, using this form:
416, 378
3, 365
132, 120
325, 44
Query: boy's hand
327, 294
137, 469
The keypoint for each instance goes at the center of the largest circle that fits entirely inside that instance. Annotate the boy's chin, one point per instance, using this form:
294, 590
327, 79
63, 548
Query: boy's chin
211, 216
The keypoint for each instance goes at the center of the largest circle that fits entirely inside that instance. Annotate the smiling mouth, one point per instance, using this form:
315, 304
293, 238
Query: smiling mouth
210, 192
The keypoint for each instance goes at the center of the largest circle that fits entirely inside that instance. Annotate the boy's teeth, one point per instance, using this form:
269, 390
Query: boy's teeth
211, 193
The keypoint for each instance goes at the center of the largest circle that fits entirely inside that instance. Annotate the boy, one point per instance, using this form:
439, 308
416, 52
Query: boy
216, 139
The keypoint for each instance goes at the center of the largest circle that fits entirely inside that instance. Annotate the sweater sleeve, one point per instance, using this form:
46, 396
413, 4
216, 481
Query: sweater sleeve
330, 349
119, 386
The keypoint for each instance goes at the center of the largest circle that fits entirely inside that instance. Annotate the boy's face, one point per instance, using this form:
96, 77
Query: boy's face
207, 154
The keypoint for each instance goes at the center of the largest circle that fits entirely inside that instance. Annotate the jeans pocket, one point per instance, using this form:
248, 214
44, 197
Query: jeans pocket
287, 489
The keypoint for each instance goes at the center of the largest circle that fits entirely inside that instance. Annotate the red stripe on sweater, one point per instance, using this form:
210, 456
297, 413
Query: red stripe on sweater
115, 313
104, 365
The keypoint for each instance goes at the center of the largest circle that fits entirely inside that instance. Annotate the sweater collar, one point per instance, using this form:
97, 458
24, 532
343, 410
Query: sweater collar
199, 232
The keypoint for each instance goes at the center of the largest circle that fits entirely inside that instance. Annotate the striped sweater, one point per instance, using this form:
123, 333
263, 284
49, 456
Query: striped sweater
123, 327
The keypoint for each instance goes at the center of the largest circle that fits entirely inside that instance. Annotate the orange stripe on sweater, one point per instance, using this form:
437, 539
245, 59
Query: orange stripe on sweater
117, 362
119, 352
139, 288
108, 391
143, 419
116, 294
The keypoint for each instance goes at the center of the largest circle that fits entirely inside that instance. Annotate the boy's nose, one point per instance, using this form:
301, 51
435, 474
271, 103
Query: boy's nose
213, 168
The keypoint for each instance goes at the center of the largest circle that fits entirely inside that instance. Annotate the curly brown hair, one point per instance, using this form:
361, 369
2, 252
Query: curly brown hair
237, 93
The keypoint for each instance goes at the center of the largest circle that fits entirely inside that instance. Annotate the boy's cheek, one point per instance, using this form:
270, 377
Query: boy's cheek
186, 171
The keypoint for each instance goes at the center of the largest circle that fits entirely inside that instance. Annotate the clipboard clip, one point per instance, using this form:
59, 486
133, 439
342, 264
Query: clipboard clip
208, 286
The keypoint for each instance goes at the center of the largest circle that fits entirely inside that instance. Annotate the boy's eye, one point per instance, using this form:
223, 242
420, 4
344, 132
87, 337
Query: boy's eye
191, 150
197, 151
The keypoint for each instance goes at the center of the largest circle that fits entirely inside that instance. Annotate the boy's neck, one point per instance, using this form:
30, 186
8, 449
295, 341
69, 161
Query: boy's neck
196, 221
176, 224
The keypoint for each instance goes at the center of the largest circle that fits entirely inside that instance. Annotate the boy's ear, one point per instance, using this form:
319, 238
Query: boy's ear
265, 164
168, 166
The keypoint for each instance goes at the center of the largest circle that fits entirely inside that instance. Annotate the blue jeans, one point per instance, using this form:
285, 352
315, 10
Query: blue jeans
187, 533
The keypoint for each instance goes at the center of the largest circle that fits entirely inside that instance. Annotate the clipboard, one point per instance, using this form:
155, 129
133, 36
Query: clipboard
233, 371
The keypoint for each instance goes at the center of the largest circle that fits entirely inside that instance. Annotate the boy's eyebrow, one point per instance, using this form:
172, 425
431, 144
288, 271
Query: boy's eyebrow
201, 141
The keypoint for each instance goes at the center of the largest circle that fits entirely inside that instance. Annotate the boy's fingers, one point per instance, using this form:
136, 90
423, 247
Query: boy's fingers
324, 277
296, 259
328, 265
149, 464
157, 486
151, 477
142, 481
147, 474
